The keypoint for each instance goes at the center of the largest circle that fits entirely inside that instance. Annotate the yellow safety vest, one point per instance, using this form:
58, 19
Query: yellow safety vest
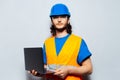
67, 55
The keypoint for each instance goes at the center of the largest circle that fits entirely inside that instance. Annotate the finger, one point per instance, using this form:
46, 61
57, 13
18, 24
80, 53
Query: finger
35, 72
61, 75
58, 70
28, 71
58, 73
45, 66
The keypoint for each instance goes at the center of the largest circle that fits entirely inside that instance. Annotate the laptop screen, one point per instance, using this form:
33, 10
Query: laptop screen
34, 59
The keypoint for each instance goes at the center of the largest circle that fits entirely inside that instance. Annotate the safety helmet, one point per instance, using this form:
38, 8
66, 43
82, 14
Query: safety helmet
59, 9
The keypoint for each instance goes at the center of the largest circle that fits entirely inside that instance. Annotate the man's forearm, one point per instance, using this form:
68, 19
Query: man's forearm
85, 68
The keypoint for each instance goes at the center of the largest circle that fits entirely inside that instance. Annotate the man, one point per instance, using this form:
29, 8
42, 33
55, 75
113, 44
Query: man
65, 50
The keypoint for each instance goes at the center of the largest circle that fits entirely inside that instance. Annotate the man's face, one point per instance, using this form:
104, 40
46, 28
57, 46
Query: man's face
60, 22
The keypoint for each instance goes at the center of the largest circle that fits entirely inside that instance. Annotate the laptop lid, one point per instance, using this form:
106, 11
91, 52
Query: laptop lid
34, 59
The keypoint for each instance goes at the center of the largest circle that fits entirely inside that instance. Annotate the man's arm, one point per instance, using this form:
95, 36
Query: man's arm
85, 68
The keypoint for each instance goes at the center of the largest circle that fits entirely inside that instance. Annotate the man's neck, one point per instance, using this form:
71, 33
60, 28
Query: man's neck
61, 34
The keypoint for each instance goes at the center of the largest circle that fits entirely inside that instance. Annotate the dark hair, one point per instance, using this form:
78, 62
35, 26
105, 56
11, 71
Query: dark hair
68, 28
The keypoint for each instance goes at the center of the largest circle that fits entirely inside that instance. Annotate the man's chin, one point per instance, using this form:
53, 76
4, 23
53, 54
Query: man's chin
60, 26
60, 29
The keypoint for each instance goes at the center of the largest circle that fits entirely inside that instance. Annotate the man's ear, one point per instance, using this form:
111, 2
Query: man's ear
68, 21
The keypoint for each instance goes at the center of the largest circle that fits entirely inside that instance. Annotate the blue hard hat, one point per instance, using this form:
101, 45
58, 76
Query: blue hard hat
59, 9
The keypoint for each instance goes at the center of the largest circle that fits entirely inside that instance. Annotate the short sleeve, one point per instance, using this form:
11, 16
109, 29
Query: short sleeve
84, 53
44, 55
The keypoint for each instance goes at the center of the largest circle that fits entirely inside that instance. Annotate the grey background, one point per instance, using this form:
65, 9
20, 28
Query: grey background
25, 23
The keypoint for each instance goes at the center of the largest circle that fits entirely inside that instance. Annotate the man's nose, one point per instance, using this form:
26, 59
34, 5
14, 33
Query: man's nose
59, 19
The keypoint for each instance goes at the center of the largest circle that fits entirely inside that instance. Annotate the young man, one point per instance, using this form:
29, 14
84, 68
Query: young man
65, 50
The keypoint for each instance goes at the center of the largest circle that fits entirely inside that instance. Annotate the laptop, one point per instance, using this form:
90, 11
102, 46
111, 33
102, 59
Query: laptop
34, 60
